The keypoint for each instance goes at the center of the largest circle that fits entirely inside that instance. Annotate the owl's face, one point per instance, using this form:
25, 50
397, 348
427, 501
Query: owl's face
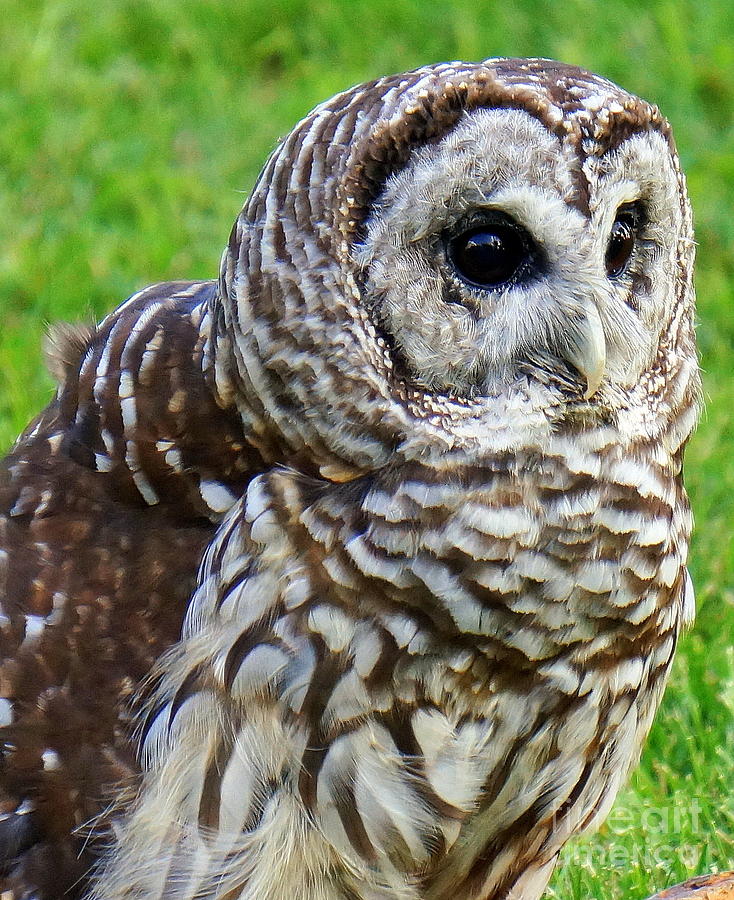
484, 270
461, 258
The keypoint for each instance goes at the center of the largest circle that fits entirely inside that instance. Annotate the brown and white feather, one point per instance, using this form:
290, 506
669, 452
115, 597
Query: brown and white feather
107, 502
425, 647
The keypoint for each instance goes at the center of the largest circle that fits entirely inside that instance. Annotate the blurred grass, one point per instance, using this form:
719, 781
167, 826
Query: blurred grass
129, 132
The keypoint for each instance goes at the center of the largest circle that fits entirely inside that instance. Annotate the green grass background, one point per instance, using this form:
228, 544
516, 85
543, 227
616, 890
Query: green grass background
130, 133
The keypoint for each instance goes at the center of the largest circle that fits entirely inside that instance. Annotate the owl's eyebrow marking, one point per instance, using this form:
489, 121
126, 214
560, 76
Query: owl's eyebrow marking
581, 195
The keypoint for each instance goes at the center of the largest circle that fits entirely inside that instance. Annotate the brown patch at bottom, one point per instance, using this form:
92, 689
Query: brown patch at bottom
704, 887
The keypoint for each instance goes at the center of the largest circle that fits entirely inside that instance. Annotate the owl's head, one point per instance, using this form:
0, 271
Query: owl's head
444, 246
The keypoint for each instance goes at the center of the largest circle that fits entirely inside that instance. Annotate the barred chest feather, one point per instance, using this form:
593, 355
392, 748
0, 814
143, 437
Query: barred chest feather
414, 684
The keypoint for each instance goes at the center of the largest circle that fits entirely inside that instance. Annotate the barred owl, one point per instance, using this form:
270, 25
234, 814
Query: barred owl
427, 430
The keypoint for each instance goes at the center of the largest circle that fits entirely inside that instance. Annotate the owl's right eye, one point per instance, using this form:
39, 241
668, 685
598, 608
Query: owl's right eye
491, 255
622, 239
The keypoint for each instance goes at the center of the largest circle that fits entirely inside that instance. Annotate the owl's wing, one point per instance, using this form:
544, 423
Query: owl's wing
106, 504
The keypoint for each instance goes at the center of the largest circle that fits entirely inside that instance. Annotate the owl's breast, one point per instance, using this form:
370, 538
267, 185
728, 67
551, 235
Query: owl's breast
451, 662
505, 634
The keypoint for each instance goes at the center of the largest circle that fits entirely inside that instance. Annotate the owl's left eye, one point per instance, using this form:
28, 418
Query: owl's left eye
492, 254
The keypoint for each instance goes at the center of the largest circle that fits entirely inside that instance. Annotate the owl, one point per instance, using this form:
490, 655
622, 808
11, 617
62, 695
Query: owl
427, 432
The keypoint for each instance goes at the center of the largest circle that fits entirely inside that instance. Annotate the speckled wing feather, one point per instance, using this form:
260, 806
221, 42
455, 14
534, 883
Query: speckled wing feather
107, 502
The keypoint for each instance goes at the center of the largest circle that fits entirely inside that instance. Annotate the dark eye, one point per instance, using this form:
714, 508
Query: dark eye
490, 255
622, 240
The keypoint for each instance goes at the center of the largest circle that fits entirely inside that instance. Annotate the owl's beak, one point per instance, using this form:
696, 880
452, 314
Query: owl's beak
587, 347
